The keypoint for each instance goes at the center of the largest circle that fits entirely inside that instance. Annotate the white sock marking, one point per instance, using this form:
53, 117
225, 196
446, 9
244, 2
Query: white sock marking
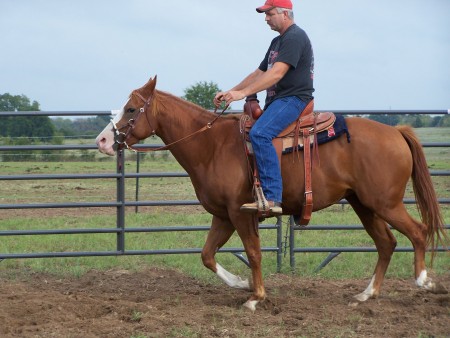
368, 292
230, 279
424, 282
420, 281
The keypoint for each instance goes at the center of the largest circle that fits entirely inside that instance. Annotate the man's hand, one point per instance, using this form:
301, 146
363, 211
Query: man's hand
218, 99
228, 97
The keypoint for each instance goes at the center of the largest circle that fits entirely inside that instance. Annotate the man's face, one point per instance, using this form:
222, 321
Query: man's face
275, 20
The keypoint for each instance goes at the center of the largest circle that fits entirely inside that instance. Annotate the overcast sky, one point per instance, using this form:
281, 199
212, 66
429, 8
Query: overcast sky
90, 54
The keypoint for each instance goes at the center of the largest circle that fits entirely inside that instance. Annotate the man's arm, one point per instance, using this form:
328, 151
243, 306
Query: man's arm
244, 83
248, 80
254, 83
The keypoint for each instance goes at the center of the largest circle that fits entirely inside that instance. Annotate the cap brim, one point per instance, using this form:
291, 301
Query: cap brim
264, 8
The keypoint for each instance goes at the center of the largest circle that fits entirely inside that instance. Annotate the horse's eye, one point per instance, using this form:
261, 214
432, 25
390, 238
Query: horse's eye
131, 110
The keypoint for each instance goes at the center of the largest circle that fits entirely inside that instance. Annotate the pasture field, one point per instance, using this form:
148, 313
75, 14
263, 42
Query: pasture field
174, 295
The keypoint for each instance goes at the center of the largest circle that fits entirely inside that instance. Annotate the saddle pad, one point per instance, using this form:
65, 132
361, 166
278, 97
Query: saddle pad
337, 129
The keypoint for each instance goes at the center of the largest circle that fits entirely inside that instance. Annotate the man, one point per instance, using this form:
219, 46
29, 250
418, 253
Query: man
287, 74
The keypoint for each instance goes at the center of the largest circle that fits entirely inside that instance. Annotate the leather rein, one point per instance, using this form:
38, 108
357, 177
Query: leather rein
120, 137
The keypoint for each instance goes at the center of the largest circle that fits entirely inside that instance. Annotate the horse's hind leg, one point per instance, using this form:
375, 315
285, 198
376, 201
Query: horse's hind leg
220, 233
384, 241
416, 232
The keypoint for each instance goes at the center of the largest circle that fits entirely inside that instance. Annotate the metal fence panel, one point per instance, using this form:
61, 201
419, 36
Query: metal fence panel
121, 203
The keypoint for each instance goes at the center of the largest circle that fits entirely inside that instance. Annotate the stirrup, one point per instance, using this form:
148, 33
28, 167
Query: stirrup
261, 206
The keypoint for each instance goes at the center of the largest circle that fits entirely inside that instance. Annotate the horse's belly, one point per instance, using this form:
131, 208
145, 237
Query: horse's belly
329, 178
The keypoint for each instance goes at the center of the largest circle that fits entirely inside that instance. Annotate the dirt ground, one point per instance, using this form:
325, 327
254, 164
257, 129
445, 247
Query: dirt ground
165, 303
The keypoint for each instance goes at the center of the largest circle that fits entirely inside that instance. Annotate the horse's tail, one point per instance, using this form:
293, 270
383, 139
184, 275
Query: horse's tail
424, 192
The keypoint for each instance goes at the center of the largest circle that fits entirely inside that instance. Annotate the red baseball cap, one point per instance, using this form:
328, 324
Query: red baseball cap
274, 3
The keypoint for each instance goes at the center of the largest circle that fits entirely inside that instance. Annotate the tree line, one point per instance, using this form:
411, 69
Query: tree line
53, 130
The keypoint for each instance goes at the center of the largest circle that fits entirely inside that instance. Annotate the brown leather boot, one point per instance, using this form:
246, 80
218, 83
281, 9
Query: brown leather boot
274, 208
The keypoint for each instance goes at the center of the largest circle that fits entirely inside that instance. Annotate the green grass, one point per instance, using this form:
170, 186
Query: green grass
346, 265
438, 158
354, 265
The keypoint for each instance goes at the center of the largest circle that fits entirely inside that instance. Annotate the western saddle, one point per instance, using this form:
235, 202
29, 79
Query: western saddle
302, 132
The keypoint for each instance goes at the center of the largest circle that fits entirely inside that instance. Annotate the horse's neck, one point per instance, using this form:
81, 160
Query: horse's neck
180, 118
183, 123
199, 150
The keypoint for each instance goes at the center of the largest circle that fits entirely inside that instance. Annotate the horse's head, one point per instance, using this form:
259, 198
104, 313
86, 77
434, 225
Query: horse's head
132, 124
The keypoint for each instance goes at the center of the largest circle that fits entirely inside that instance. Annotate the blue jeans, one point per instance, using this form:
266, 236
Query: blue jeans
277, 117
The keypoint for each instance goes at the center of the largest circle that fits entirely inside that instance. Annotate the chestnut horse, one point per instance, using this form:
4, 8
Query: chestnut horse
370, 172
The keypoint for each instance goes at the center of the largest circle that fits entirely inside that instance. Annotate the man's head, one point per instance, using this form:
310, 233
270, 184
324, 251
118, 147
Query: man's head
279, 14
270, 4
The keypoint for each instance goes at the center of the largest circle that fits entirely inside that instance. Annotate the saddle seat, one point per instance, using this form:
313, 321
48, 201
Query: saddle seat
316, 122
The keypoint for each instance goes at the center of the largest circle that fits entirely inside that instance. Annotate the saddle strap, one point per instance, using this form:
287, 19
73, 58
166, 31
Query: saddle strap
308, 202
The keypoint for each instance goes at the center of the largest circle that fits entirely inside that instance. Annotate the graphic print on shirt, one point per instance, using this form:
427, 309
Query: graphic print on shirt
272, 58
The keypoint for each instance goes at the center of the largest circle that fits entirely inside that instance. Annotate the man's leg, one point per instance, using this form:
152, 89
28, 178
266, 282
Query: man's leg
277, 117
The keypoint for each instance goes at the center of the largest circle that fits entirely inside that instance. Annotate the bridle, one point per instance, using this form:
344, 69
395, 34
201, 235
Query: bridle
120, 137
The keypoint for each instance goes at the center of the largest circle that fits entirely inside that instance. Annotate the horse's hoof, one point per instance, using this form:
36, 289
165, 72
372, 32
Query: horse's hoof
250, 305
362, 297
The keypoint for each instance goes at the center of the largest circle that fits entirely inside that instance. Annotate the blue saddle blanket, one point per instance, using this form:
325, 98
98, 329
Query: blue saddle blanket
336, 130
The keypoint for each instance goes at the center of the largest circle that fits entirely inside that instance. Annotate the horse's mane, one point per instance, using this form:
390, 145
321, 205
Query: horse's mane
163, 100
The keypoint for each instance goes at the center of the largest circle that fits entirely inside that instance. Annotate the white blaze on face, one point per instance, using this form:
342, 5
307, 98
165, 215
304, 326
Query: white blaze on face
105, 140
117, 114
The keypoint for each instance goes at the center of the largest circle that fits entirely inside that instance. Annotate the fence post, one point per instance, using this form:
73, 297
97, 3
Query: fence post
291, 243
120, 222
138, 162
279, 243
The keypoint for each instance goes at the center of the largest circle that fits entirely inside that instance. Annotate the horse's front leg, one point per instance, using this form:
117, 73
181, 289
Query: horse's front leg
220, 233
247, 228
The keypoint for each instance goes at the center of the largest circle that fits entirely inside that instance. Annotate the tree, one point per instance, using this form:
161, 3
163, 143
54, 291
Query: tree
90, 126
445, 121
202, 94
82, 127
17, 103
417, 122
63, 126
436, 122
22, 126
391, 120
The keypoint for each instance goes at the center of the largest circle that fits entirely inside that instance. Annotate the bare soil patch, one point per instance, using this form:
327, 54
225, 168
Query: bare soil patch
165, 303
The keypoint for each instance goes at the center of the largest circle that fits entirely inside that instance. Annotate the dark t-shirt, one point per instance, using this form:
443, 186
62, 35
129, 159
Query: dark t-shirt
293, 48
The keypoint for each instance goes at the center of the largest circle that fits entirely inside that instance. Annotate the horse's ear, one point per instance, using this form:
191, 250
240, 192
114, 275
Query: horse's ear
149, 87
